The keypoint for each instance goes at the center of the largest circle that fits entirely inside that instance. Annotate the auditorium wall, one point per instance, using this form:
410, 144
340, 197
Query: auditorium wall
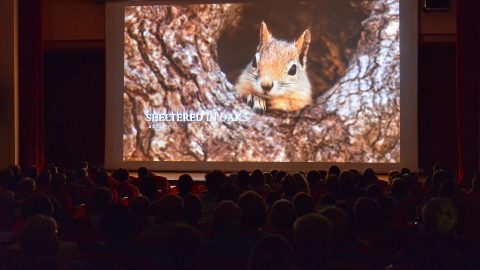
74, 35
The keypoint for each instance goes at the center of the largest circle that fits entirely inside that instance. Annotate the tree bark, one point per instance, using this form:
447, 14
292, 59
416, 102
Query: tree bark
171, 64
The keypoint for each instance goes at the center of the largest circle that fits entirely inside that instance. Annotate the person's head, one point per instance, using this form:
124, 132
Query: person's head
92, 172
274, 172
82, 172
410, 179
254, 210
271, 252
142, 172
101, 178
44, 179
149, 187
58, 182
346, 181
313, 238
399, 189
214, 181
374, 191
268, 178
323, 174
404, 171
227, 217
257, 179
392, 174
313, 177
102, 199
334, 170
16, 170
140, 208
439, 166
193, 209
182, 247
331, 183
121, 175
366, 213
81, 178
32, 172
25, 187
302, 184
82, 165
52, 169
369, 175
289, 186
327, 199
356, 175
339, 220
117, 224
228, 192
440, 216
243, 180
36, 204
170, 208
282, 214
38, 238
279, 176
438, 178
184, 185
304, 203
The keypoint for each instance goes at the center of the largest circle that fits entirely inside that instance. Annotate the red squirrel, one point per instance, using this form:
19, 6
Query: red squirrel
276, 78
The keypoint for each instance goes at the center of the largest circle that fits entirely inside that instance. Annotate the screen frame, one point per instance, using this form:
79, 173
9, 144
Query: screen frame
114, 112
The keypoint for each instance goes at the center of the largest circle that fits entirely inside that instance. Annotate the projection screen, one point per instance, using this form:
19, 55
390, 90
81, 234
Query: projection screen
195, 86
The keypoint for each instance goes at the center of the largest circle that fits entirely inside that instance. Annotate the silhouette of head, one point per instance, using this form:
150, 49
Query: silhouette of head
271, 252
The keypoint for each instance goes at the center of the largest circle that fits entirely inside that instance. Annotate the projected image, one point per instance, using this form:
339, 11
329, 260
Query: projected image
310, 81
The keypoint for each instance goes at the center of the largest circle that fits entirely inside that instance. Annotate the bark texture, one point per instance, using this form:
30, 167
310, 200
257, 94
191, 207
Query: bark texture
171, 64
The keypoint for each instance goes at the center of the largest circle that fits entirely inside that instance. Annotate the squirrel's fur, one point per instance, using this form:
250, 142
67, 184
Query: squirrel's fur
277, 76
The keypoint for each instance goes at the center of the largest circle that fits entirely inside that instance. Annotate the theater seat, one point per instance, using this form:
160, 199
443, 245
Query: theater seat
79, 212
124, 201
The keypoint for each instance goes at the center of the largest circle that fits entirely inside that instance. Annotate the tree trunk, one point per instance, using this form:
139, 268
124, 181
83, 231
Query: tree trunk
166, 70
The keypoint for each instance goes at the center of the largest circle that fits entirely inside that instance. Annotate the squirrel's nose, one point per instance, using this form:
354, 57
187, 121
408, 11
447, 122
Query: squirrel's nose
266, 86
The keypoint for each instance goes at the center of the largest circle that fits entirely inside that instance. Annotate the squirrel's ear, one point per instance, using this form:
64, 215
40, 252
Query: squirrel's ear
265, 35
302, 44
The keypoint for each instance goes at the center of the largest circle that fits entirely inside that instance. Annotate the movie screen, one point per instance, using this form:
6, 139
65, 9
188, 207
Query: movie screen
277, 81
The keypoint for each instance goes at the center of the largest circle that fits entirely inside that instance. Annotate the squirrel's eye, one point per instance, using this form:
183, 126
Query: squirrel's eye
293, 70
254, 62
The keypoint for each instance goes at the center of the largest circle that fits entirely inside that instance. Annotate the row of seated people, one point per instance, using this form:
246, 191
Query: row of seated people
88, 219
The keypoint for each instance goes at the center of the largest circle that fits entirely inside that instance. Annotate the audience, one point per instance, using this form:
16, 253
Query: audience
228, 192
281, 219
313, 237
148, 187
85, 218
193, 210
141, 210
271, 252
123, 187
304, 203
184, 185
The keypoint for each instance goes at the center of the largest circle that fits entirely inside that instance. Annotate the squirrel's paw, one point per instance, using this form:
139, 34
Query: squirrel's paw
250, 100
259, 105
